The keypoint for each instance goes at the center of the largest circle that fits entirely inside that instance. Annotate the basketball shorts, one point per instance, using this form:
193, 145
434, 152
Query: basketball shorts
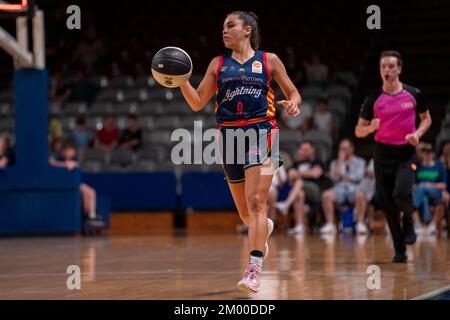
246, 146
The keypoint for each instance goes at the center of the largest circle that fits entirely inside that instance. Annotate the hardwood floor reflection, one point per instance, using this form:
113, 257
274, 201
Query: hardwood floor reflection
207, 266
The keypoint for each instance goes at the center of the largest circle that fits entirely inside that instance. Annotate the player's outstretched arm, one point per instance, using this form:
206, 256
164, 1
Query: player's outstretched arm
198, 98
279, 74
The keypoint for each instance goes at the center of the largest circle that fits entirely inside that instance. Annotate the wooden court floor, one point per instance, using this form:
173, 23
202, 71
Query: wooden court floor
208, 265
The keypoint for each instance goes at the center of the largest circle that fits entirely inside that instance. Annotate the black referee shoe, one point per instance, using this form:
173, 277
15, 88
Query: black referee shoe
400, 257
410, 233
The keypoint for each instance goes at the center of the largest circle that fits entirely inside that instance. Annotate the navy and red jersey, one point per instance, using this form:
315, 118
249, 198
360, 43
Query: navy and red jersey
243, 92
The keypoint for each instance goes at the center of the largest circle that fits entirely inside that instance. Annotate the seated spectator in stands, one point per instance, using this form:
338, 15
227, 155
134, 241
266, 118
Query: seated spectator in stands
7, 155
81, 135
316, 71
278, 181
304, 177
431, 182
55, 133
58, 91
108, 136
295, 70
363, 197
68, 159
131, 137
82, 90
323, 118
347, 172
302, 123
445, 159
445, 154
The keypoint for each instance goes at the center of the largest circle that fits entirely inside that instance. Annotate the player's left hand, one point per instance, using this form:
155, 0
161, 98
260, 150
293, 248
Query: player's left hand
290, 108
412, 138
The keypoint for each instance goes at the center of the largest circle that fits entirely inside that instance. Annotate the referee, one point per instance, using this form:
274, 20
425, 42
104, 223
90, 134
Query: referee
392, 113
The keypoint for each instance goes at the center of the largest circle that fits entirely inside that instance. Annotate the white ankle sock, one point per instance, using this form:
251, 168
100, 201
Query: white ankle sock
256, 260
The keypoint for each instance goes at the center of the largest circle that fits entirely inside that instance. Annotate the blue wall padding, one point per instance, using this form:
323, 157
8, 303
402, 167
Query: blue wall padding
14, 178
39, 212
205, 190
34, 197
136, 190
31, 103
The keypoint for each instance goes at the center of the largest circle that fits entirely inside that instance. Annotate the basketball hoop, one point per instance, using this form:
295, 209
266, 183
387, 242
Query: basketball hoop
27, 48
14, 7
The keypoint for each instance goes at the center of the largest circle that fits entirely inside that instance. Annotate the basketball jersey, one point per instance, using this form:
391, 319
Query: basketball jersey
243, 90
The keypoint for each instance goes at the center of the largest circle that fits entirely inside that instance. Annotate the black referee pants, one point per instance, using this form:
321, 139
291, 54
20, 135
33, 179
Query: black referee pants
395, 174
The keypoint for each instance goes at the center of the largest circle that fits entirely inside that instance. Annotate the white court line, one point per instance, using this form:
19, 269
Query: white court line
432, 293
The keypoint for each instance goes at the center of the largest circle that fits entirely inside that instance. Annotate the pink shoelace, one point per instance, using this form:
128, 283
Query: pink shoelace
251, 272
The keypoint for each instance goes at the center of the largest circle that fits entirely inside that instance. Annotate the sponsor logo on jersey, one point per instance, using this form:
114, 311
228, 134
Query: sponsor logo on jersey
256, 67
230, 94
224, 69
244, 79
242, 70
407, 105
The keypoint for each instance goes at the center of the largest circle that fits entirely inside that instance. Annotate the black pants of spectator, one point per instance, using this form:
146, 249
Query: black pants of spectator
394, 174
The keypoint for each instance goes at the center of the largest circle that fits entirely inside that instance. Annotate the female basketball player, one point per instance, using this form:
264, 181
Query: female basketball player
392, 113
245, 100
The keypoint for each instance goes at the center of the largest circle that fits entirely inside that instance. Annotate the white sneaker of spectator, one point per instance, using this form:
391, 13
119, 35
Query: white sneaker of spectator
298, 229
361, 228
328, 228
431, 229
282, 207
418, 228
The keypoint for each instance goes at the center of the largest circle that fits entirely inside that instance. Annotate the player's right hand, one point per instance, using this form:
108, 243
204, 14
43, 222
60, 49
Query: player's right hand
374, 124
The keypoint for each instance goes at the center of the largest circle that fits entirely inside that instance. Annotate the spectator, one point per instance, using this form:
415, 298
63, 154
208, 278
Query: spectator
7, 155
81, 135
58, 91
316, 71
431, 182
81, 89
347, 172
55, 134
445, 155
132, 136
323, 119
363, 197
295, 71
304, 176
68, 159
107, 137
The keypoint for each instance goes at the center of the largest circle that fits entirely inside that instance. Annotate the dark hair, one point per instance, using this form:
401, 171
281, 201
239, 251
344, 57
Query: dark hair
350, 141
132, 116
81, 120
308, 142
250, 19
392, 53
323, 100
68, 144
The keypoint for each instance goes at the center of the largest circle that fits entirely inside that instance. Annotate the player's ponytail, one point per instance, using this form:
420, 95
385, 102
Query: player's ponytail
250, 19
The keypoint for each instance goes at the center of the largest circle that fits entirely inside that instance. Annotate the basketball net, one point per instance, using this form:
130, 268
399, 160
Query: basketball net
18, 47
